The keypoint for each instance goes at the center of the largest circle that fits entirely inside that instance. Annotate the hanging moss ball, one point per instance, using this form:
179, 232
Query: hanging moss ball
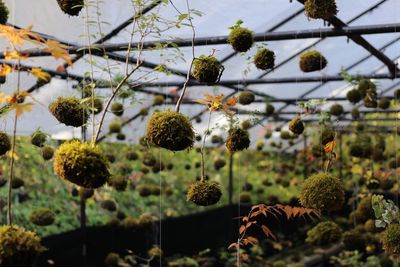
85, 193
269, 110
42, 217
5, 144
219, 164
109, 205
327, 135
324, 234
47, 152
246, 97
70, 111
17, 183
216, 139
158, 100
38, 138
115, 127
238, 140
98, 105
171, 130
322, 191
336, 110
132, 155
112, 260
149, 160
364, 85
371, 99
246, 124
391, 239
264, 59
19, 247
121, 136
354, 240
320, 9
71, 7
245, 198
119, 182
312, 61
260, 145
204, 193
3, 13
155, 252
81, 164
384, 103
355, 113
296, 125
354, 96
117, 109
144, 190
207, 69
144, 112
285, 135
268, 134
241, 39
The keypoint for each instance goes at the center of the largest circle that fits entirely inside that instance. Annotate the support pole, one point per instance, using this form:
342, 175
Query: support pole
230, 186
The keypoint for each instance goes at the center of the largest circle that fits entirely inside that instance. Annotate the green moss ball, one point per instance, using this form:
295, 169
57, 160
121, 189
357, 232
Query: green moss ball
269, 110
246, 98
98, 105
320, 9
268, 134
117, 109
171, 130
144, 190
241, 39
71, 7
238, 140
285, 135
384, 103
158, 100
149, 160
371, 99
354, 96
219, 163
324, 234
19, 247
364, 85
264, 59
336, 110
17, 183
391, 239
115, 127
155, 252
38, 138
355, 113
327, 135
204, 193
42, 217
216, 139
5, 144
246, 124
70, 111
81, 164
47, 152
312, 61
245, 198
207, 69
322, 191
144, 112
85, 193
112, 260
296, 125
119, 182
109, 205
3, 13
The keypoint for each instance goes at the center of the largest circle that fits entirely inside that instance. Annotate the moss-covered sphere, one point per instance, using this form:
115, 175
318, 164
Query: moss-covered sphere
324, 234
327, 135
115, 127
354, 96
17, 182
38, 138
98, 105
71, 7
81, 164
241, 39
312, 61
219, 163
269, 110
364, 85
246, 124
85, 193
70, 111
336, 110
5, 144
158, 100
47, 152
296, 125
144, 190
391, 239
371, 99
171, 130
42, 217
320, 9
112, 260
238, 140
117, 109
354, 240
119, 182
355, 113
245, 197
264, 59
204, 193
246, 98
109, 205
384, 103
18, 247
322, 191
3, 13
207, 69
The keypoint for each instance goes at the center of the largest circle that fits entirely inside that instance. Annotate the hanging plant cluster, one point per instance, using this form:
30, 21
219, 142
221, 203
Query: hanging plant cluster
207, 69
320, 9
241, 39
71, 7
70, 111
312, 61
4, 12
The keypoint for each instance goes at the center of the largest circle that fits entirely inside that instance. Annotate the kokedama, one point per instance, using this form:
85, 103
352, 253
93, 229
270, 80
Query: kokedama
47, 152
5, 143
81, 164
38, 138
204, 193
70, 111
71, 7
336, 110
171, 130
241, 39
238, 139
246, 98
354, 96
296, 125
264, 59
117, 109
42, 217
320, 9
312, 61
207, 69
324, 234
269, 110
3, 13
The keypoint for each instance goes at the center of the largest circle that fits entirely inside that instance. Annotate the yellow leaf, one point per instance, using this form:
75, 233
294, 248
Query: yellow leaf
329, 147
39, 73
59, 51
13, 155
5, 69
10, 55
21, 108
215, 103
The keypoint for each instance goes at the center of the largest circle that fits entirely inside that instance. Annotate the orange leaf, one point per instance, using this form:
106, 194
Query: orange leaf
234, 245
59, 51
329, 147
40, 74
5, 69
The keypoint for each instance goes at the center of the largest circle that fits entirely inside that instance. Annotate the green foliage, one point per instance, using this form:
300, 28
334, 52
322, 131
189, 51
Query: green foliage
204, 193
312, 61
324, 234
320, 9
386, 211
69, 110
355, 259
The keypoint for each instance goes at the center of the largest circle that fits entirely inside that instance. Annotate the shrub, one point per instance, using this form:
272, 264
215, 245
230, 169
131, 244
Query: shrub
312, 61
69, 110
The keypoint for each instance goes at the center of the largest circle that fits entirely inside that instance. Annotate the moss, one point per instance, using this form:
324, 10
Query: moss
19, 247
117, 109
312, 61
148, 159
361, 149
132, 155
355, 113
81, 164
391, 239
112, 260
115, 127
320, 9
4, 12
155, 252
260, 145
336, 110
216, 139
144, 190
246, 97
327, 135
268, 134
353, 240
207, 69
324, 234
183, 262
238, 140
121, 136
384, 103
396, 94
155, 190
119, 182
157, 167
144, 112
322, 191
370, 226
204, 193
371, 99
246, 124
70, 111
42, 217
354, 96
171, 130
245, 198
130, 223
296, 125
279, 263
109, 205
158, 100
285, 135
219, 163
98, 105
241, 39
47, 152
269, 110
17, 183
38, 138
364, 85
264, 59
5, 144
71, 7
